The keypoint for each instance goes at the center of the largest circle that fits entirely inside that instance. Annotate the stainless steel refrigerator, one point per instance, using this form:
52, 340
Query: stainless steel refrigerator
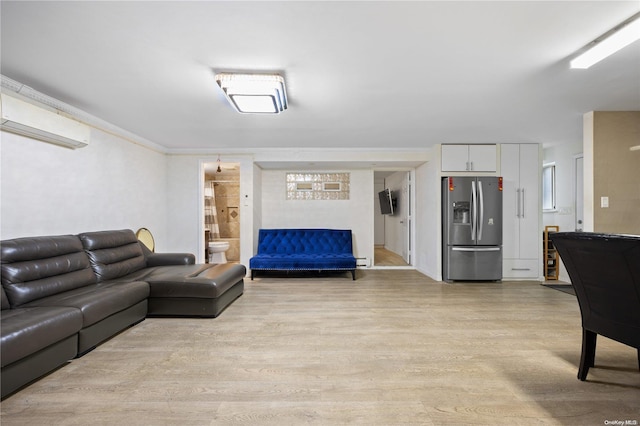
472, 228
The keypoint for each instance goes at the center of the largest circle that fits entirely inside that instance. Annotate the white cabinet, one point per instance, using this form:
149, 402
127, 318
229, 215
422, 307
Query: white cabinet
521, 247
469, 158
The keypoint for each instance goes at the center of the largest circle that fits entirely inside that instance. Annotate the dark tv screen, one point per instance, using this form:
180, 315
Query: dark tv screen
386, 202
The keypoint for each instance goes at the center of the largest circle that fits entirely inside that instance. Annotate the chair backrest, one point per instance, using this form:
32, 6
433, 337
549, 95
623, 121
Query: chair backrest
605, 272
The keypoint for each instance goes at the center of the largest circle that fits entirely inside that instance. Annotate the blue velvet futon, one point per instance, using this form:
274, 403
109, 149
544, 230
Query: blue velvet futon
304, 250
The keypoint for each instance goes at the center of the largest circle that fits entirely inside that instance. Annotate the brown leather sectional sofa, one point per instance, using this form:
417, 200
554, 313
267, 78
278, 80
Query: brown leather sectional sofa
63, 295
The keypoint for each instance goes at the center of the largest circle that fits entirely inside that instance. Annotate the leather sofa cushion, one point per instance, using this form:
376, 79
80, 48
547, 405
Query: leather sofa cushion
36, 267
27, 330
98, 301
194, 281
5, 300
113, 254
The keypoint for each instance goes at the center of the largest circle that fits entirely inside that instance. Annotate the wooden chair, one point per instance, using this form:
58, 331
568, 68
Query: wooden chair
605, 273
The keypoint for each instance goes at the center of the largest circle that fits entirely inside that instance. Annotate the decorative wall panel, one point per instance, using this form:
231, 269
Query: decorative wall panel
317, 186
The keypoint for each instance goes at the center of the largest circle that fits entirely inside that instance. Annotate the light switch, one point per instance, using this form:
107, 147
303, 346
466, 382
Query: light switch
604, 202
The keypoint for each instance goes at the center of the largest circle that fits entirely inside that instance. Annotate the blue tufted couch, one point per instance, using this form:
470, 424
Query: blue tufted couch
304, 250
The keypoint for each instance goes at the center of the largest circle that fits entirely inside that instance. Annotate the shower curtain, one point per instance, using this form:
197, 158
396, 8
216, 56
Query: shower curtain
210, 211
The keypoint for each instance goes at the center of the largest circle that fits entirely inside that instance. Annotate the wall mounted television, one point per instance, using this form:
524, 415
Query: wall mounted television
387, 202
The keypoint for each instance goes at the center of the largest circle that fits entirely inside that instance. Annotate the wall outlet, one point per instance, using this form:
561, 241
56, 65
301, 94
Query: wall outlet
604, 202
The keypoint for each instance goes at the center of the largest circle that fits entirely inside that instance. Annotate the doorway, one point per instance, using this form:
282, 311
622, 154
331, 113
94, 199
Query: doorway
392, 231
222, 208
579, 195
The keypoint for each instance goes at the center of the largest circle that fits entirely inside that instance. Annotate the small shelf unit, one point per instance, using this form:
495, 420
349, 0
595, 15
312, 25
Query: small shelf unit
550, 255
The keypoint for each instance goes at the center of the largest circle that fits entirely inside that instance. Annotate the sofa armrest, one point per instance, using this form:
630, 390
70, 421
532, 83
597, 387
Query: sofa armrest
165, 259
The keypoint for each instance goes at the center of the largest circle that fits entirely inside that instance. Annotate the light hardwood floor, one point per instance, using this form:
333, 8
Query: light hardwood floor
392, 347
384, 257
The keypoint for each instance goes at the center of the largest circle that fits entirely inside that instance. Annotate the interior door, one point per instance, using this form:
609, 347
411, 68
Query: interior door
406, 218
579, 186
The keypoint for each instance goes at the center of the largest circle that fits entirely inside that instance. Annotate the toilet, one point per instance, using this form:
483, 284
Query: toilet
217, 250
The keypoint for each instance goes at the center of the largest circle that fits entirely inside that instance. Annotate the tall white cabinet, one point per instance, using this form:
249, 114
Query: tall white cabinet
520, 169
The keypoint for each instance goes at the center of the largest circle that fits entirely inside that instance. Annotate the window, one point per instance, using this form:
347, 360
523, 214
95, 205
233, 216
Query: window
317, 186
304, 186
331, 186
549, 187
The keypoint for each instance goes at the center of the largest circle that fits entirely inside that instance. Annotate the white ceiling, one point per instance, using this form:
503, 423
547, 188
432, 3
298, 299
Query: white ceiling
359, 74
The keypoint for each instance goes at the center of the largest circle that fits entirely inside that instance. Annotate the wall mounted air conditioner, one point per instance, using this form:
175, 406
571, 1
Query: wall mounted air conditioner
27, 119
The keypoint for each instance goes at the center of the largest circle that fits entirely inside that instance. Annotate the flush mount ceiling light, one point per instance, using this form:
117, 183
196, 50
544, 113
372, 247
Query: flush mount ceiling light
254, 93
609, 43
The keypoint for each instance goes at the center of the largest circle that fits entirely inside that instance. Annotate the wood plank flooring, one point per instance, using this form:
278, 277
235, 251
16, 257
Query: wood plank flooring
392, 347
384, 257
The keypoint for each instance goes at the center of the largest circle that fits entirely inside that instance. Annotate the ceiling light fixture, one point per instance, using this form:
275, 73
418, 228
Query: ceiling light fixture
609, 43
254, 93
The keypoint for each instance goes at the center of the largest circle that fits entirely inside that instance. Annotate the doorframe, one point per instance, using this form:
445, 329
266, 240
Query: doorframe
578, 178
410, 237
246, 203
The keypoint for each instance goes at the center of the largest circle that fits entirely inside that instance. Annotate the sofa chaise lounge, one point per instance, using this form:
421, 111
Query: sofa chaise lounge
63, 295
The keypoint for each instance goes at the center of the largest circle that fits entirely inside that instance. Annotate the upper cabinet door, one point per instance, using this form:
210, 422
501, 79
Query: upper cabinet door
482, 158
455, 158
469, 158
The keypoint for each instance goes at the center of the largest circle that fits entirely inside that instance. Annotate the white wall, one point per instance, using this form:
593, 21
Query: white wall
378, 217
114, 183
185, 189
257, 206
355, 213
427, 247
109, 184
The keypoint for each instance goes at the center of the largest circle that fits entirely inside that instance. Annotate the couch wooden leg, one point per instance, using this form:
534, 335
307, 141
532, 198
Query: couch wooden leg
252, 273
588, 356
353, 274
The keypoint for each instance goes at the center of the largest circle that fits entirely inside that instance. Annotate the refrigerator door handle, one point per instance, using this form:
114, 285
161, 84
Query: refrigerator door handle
473, 210
518, 202
523, 203
475, 249
481, 208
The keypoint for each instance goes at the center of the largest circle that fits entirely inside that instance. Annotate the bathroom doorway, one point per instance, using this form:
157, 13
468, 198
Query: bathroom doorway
222, 211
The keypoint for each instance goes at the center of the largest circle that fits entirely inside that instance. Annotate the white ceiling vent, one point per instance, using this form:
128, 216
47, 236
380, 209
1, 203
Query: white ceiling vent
27, 119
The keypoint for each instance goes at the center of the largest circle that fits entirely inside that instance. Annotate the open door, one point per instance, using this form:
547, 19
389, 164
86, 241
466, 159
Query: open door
406, 218
392, 232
